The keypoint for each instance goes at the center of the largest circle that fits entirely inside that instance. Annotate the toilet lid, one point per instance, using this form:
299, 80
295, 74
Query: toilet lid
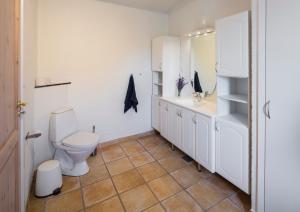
81, 140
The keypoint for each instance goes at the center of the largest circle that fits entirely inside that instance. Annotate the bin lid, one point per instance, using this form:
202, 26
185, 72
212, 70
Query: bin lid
48, 165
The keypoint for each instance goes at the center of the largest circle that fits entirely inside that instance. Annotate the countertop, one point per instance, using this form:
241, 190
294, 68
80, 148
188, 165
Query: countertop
206, 107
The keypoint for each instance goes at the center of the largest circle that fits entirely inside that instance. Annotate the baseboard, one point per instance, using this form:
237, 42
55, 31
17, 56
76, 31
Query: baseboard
137, 136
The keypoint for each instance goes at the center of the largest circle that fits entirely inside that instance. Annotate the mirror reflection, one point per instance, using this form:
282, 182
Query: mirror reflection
203, 60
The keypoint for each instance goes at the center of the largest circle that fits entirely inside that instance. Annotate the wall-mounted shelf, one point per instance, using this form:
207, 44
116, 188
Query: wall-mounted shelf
235, 97
51, 85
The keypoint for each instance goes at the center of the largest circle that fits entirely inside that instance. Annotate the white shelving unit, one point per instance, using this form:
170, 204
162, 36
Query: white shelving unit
233, 96
233, 102
165, 70
165, 65
157, 83
236, 98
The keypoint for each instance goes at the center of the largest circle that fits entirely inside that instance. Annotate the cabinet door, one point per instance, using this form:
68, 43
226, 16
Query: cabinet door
172, 124
164, 119
233, 45
157, 53
188, 132
232, 154
204, 143
179, 128
156, 113
175, 125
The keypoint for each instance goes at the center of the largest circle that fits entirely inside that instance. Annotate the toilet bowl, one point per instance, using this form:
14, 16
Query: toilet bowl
72, 147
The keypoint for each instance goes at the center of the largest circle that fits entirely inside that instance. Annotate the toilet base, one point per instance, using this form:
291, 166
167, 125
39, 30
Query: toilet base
79, 169
73, 163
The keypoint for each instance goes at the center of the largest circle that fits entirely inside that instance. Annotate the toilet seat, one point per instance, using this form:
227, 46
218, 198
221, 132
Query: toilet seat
81, 140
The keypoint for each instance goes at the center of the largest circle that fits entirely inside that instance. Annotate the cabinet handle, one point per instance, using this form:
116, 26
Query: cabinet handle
216, 127
180, 114
167, 109
267, 109
194, 120
159, 104
216, 67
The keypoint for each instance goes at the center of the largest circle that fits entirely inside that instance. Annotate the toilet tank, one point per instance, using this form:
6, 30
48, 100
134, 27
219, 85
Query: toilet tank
62, 124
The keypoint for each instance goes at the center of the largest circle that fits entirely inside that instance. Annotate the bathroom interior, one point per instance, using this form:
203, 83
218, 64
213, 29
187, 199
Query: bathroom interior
146, 105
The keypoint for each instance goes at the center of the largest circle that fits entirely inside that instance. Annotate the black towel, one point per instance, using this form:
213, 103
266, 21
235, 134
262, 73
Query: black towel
197, 86
131, 100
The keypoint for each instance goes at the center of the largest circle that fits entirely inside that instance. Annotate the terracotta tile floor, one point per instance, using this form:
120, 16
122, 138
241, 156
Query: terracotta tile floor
143, 174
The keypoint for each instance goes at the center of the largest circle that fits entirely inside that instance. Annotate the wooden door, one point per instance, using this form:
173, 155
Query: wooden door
282, 144
233, 45
9, 129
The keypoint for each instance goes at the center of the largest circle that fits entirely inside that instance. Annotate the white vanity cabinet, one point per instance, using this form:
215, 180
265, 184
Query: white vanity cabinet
232, 153
205, 142
164, 119
156, 113
232, 35
175, 125
189, 132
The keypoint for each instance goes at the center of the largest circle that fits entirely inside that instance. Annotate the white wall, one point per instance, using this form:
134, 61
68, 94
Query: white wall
97, 46
196, 15
202, 13
28, 73
46, 100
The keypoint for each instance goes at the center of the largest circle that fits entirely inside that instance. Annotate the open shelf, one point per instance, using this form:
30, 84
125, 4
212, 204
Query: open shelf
235, 97
235, 118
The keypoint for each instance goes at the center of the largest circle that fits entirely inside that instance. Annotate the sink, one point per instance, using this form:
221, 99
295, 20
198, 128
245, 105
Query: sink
204, 106
190, 102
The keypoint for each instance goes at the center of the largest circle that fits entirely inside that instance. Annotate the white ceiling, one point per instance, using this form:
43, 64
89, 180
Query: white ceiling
163, 6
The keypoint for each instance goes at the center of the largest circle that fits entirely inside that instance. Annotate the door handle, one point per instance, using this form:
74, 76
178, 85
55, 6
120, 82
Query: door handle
20, 107
267, 109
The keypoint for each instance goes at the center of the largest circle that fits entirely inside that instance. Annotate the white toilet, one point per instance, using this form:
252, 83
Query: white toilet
72, 147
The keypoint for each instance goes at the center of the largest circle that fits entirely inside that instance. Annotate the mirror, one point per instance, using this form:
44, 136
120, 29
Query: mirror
203, 60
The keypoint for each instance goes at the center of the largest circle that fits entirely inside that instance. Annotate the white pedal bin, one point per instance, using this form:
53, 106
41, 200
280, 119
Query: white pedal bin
48, 179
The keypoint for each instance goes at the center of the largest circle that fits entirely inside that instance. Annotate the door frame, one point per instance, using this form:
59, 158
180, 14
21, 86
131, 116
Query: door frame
259, 98
22, 140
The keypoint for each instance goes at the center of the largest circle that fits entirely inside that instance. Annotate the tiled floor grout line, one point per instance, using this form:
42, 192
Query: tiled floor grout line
177, 153
185, 189
136, 168
110, 176
169, 174
226, 196
147, 183
81, 194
